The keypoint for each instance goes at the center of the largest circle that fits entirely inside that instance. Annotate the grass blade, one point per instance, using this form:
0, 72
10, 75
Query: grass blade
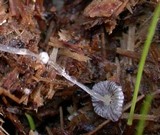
147, 43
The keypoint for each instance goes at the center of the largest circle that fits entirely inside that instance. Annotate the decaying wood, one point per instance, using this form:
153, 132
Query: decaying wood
102, 8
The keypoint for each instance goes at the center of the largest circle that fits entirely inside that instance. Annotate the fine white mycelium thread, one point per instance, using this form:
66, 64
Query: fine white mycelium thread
112, 108
107, 97
43, 56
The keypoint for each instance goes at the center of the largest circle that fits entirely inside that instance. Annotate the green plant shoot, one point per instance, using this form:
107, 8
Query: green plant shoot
147, 43
30, 121
144, 112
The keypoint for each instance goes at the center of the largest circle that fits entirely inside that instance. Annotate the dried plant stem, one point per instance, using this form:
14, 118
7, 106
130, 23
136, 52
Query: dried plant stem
127, 106
4, 131
61, 117
98, 128
49, 131
140, 116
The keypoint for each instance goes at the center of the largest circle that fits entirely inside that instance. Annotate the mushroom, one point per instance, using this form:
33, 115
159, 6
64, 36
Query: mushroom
112, 108
107, 97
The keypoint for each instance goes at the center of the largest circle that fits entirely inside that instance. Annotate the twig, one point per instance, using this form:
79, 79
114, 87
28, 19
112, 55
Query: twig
4, 131
61, 117
139, 116
8, 94
127, 106
99, 127
49, 32
49, 131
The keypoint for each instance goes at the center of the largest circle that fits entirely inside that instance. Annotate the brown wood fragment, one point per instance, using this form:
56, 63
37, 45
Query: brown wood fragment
121, 8
130, 54
8, 94
102, 8
127, 53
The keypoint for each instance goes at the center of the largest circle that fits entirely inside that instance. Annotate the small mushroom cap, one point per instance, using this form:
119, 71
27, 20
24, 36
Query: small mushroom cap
112, 108
43, 56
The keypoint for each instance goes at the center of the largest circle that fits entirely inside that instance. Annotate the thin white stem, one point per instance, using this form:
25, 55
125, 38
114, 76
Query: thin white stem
63, 73
19, 51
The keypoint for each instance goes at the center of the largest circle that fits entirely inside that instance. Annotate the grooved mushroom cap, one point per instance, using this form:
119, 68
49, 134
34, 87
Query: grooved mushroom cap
112, 108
